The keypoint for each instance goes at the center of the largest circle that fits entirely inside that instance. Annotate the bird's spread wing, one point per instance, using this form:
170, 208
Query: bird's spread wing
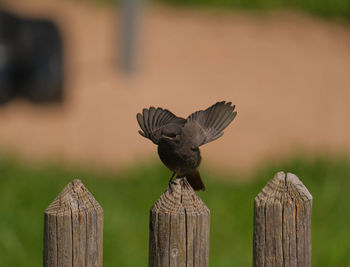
153, 120
204, 126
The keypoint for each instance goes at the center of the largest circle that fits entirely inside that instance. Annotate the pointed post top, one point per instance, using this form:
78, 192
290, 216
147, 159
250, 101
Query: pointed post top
180, 198
73, 198
284, 184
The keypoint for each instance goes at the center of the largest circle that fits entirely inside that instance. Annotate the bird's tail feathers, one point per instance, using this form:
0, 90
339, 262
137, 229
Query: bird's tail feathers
195, 181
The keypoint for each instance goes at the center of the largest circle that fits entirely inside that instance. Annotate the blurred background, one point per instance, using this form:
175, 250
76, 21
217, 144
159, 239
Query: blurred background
73, 75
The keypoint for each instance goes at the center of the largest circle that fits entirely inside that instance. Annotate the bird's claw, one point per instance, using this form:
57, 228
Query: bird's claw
171, 182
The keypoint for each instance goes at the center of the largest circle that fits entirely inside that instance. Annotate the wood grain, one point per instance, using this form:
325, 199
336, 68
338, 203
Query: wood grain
179, 228
282, 223
73, 229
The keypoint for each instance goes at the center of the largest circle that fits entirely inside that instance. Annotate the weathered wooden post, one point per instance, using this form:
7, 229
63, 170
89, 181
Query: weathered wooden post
73, 229
282, 223
179, 228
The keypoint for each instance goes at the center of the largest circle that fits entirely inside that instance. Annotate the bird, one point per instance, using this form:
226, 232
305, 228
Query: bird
179, 139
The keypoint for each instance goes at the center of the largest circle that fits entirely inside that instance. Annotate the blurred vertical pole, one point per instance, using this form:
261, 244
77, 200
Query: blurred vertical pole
130, 25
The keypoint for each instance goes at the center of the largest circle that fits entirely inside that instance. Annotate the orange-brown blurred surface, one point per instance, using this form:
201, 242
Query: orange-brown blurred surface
289, 76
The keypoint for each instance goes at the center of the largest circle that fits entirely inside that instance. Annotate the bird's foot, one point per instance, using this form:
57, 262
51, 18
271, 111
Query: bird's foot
171, 181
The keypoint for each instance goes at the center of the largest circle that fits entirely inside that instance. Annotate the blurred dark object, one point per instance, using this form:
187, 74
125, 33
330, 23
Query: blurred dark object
31, 63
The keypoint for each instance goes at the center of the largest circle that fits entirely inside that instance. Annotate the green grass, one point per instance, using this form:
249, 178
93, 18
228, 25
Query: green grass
126, 196
322, 8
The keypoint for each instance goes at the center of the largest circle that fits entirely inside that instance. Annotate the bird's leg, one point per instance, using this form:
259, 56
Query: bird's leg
171, 179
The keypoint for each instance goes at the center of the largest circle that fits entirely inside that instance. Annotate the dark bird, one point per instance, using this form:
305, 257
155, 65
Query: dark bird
179, 139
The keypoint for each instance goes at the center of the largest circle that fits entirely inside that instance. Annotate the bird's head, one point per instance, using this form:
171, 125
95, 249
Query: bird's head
171, 134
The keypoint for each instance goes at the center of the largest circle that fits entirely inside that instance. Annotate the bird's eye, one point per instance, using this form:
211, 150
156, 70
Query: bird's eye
172, 135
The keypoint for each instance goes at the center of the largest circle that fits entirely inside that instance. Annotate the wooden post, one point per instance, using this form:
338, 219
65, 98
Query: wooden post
282, 223
179, 228
73, 229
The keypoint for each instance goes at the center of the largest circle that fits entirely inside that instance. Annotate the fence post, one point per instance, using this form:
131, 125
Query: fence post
282, 223
73, 229
179, 228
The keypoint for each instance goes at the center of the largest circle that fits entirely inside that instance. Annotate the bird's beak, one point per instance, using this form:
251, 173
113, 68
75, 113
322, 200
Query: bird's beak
165, 138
